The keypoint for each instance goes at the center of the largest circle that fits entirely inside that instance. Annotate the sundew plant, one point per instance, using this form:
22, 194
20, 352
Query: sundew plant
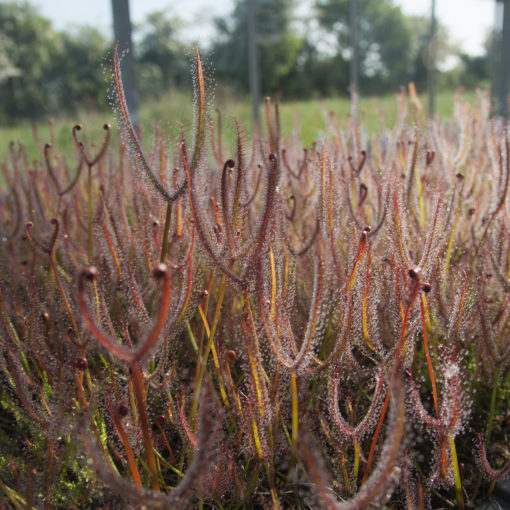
262, 325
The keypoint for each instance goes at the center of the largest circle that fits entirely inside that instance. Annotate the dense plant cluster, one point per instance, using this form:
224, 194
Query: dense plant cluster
266, 326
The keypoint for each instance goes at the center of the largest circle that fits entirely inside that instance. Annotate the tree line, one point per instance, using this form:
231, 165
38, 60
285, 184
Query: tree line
44, 71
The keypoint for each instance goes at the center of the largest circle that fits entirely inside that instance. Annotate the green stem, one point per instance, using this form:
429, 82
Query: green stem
295, 409
270, 477
456, 472
192, 337
205, 356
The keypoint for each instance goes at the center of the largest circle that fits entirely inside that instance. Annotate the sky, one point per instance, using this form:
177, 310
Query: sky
468, 21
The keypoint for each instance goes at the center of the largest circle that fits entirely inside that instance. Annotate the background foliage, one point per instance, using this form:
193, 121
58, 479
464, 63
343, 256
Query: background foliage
44, 71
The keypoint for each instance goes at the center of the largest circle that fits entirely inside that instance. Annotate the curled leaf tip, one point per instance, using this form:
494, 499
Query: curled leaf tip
426, 287
89, 273
160, 271
414, 273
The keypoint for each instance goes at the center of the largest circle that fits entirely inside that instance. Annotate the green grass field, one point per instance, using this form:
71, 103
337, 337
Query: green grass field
176, 108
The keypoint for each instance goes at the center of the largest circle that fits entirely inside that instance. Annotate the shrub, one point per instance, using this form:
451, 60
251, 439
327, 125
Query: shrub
266, 326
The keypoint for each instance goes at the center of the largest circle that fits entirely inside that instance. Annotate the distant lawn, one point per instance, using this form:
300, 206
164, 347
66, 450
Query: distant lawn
175, 109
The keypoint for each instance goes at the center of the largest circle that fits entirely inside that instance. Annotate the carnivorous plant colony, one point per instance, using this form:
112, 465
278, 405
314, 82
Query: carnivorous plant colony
263, 325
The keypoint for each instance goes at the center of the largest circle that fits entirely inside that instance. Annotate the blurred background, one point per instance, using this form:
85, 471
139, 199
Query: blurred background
55, 55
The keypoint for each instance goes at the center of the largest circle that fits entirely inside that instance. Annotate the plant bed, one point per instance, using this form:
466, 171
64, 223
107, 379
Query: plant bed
263, 325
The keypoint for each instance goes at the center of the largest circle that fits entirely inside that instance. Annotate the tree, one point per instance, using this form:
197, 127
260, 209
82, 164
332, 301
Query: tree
384, 41
43, 71
29, 46
475, 71
78, 71
502, 77
253, 60
278, 46
419, 51
122, 31
161, 55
